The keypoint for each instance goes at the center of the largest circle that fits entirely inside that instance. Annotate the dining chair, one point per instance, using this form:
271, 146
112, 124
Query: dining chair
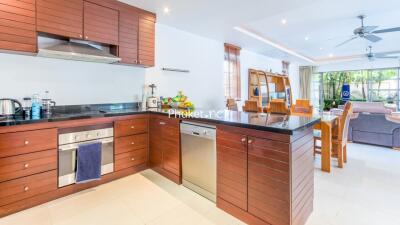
277, 106
339, 136
302, 108
251, 106
231, 104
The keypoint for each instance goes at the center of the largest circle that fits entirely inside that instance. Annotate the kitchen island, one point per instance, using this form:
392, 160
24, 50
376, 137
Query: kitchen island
264, 161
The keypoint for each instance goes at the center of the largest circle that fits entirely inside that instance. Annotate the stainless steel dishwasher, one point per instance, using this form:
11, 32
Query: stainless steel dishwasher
199, 158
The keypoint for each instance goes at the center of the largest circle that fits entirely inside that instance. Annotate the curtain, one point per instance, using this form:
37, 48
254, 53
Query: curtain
306, 73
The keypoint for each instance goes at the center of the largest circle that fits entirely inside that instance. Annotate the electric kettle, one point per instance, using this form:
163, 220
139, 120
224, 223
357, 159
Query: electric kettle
7, 107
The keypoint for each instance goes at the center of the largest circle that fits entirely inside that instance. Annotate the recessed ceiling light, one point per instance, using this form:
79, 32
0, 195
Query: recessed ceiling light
306, 38
330, 55
321, 48
284, 21
166, 10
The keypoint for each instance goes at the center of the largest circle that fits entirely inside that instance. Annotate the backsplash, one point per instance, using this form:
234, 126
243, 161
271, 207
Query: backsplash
69, 82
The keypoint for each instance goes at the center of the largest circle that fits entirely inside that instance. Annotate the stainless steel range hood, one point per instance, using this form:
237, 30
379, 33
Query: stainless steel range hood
78, 50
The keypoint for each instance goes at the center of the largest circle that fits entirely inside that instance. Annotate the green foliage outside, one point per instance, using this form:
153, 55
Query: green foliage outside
364, 85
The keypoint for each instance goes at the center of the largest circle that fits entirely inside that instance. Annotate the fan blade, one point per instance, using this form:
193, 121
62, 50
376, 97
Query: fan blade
394, 29
368, 29
347, 41
372, 38
386, 57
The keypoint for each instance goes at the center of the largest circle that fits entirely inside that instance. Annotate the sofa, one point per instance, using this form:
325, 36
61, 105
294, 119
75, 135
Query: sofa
373, 123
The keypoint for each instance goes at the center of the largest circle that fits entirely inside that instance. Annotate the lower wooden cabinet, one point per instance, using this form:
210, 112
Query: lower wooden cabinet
26, 187
28, 164
232, 168
165, 154
131, 147
265, 178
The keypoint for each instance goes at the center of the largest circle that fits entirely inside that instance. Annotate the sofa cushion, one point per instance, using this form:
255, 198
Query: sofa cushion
373, 138
375, 123
370, 107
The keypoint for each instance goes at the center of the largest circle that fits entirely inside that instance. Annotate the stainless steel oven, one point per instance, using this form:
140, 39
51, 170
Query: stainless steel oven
68, 141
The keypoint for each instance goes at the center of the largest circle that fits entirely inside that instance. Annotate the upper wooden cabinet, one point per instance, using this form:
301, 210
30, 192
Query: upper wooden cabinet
64, 18
128, 34
18, 25
100, 24
146, 40
130, 30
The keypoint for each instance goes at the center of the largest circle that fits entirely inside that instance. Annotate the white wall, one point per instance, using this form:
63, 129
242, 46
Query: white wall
251, 60
203, 57
73, 82
69, 82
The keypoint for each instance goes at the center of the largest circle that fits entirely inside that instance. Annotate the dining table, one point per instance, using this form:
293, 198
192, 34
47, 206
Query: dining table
327, 124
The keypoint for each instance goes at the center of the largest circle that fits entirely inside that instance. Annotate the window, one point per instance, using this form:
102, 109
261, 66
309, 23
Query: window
232, 72
316, 90
365, 85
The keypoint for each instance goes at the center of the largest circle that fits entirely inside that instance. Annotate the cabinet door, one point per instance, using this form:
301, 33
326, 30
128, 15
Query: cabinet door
18, 25
156, 145
171, 145
64, 18
146, 39
100, 24
232, 168
128, 35
269, 193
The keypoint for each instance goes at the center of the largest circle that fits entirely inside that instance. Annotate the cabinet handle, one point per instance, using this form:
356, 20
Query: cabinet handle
243, 140
132, 143
135, 61
140, 61
26, 165
132, 127
80, 35
86, 37
26, 142
132, 159
26, 188
250, 141
162, 123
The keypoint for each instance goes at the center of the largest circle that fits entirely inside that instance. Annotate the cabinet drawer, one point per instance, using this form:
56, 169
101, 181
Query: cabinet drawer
19, 189
130, 143
130, 127
130, 159
28, 164
26, 142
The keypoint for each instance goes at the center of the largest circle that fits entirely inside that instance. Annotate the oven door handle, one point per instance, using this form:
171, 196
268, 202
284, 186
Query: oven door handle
74, 146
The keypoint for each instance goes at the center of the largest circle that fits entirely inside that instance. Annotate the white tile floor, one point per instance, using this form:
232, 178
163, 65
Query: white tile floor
366, 192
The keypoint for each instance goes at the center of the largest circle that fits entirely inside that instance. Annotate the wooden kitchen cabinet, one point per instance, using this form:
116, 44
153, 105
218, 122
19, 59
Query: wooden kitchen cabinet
269, 186
18, 25
63, 18
263, 177
131, 147
100, 24
232, 168
165, 154
146, 39
128, 34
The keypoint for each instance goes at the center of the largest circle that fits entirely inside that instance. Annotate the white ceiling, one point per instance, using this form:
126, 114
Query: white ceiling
325, 22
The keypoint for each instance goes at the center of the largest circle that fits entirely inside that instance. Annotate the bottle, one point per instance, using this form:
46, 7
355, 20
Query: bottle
36, 106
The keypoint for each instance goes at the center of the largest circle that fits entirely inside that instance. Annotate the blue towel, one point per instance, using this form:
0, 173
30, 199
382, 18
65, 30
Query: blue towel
88, 162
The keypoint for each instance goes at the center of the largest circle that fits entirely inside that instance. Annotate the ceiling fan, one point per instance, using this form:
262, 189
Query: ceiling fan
368, 32
384, 55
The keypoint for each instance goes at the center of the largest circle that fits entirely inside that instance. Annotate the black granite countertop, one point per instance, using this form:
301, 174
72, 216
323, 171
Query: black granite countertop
259, 121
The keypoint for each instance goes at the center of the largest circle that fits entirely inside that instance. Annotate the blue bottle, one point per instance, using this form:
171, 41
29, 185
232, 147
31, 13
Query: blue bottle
36, 107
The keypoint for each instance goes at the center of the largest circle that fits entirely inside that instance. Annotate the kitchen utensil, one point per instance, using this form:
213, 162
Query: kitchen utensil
7, 107
152, 101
